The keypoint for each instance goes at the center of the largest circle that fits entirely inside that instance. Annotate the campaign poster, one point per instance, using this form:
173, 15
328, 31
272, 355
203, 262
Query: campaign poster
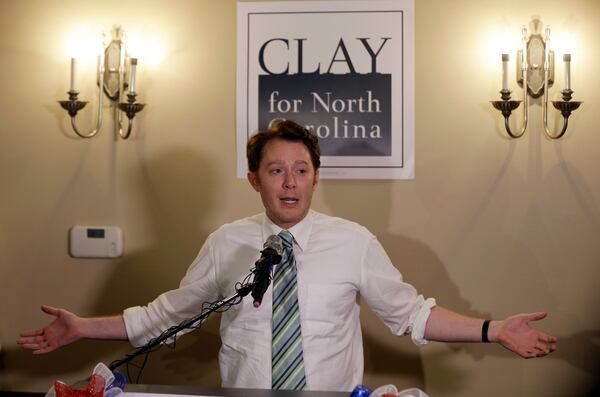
343, 69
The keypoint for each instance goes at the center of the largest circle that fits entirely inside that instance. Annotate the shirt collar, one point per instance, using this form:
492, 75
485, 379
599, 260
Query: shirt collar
300, 231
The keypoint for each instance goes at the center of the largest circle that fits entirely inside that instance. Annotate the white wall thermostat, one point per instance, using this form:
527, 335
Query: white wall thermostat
95, 242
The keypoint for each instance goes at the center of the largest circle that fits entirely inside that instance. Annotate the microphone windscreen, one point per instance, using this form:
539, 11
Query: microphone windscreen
275, 242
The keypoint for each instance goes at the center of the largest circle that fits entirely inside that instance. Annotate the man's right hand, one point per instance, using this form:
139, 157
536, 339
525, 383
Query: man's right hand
64, 330
68, 327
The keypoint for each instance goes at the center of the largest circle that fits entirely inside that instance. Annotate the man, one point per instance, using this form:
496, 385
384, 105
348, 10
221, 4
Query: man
329, 262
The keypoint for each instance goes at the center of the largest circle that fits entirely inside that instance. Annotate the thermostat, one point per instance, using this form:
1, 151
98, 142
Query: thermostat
95, 242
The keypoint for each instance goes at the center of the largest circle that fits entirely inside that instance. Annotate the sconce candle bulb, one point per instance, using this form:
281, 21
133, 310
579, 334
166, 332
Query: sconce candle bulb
567, 60
505, 59
73, 68
133, 64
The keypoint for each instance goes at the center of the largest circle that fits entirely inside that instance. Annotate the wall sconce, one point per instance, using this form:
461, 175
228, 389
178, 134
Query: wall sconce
116, 73
535, 73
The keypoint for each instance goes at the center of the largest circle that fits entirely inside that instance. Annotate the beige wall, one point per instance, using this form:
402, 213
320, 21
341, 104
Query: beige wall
490, 226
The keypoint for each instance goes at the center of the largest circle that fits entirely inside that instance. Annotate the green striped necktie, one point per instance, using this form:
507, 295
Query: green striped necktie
287, 361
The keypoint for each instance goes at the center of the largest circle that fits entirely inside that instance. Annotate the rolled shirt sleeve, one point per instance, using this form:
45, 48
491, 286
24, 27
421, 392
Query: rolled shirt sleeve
172, 307
396, 302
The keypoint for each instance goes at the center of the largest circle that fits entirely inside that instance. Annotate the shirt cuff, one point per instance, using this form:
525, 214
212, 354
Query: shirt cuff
418, 330
133, 327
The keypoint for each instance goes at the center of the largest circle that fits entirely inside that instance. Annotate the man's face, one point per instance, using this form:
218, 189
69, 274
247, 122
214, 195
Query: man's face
286, 180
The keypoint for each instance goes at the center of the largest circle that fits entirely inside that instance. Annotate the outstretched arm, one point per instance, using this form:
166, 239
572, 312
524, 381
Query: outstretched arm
67, 328
514, 332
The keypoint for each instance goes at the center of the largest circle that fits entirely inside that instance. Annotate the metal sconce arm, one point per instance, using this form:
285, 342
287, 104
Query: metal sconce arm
565, 106
72, 106
130, 108
506, 106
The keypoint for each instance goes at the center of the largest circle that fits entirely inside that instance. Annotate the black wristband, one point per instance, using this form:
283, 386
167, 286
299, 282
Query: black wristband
484, 331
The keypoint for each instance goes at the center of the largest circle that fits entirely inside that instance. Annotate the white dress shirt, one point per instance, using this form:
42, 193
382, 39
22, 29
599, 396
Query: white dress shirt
337, 260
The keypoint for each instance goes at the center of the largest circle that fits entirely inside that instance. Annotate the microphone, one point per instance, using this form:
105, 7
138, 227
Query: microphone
271, 255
